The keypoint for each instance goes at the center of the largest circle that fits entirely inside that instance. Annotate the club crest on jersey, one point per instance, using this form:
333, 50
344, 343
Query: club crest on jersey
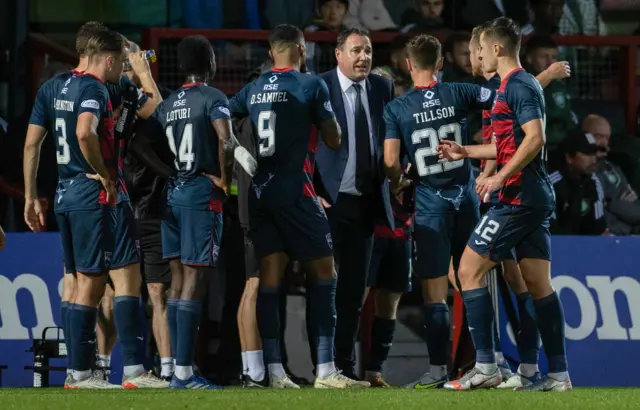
429, 95
90, 104
327, 106
485, 93
329, 240
273, 79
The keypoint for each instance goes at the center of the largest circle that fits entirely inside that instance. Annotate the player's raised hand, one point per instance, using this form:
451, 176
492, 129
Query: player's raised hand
451, 151
34, 214
139, 63
487, 185
560, 70
109, 187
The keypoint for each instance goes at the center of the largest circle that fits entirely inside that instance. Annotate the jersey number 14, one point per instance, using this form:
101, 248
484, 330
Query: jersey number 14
434, 137
185, 154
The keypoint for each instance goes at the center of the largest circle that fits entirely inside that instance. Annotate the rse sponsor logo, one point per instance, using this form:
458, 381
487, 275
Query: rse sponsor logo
270, 87
327, 106
431, 103
485, 93
225, 111
90, 104
179, 103
598, 309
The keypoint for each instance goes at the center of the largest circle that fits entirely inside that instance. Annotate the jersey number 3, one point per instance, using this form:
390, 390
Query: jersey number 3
185, 155
267, 133
434, 138
61, 129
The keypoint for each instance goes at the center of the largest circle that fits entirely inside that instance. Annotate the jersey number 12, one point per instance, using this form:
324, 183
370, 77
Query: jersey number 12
185, 154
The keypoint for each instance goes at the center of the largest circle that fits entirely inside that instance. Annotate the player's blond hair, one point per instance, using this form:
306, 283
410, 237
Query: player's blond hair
103, 42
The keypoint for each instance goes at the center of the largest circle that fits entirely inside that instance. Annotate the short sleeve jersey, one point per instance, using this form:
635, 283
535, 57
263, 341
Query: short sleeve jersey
81, 94
424, 116
284, 106
186, 117
518, 101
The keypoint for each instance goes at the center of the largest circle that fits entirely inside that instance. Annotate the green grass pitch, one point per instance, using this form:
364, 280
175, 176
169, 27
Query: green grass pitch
310, 399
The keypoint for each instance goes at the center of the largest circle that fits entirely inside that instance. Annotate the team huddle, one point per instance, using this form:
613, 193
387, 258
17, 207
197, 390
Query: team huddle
435, 198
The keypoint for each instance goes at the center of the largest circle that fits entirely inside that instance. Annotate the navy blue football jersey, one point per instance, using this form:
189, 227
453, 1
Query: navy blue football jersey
284, 106
424, 116
519, 100
186, 117
44, 105
80, 94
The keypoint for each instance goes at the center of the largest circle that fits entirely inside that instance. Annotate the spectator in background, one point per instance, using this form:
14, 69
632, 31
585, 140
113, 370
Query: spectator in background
579, 194
397, 8
296, 12
547, 16
369, 14
321, 56
457, 58
581, 17
542, 51
622, 210
477, 12
425, 17
216, 14
397, 68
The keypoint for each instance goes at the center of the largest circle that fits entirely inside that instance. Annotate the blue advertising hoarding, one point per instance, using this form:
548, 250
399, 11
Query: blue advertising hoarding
598, 279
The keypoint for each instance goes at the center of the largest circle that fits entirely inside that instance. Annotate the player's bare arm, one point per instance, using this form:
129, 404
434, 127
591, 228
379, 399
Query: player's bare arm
331, 133
227, 144
89, 142
531, 145
34, 214
141, 68
556, 71
452, 151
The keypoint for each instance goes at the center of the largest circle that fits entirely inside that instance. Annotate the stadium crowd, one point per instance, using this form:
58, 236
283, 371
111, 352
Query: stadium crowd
369, 237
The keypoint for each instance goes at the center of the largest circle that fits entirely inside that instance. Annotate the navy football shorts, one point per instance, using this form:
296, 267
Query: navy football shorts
300, 229
441, 231
513, 230
193, 235
390, 266
86, 240
126, 248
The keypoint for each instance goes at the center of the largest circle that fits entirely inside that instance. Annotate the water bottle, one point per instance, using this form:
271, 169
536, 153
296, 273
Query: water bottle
150, 55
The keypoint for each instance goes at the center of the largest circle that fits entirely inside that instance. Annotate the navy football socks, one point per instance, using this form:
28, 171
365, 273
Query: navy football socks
82, 320
437, 323
172, 313
64, 324
188, 320
480, 318
528, 337
267, 310
551, 325
322, 314
126, 314
382, 332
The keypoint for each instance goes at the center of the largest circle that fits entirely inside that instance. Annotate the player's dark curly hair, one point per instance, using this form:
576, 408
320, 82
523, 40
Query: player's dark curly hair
196, 56
285, 35
424, 51
85, 32
505, 30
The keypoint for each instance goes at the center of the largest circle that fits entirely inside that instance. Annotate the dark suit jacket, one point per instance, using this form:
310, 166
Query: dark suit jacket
330, 163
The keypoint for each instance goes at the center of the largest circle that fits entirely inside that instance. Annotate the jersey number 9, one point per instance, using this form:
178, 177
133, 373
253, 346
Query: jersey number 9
185, 154
434, 137
267, 133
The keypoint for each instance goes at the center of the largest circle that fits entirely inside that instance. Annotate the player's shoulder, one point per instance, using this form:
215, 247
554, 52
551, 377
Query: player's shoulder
211, 92
397, 105
522, 79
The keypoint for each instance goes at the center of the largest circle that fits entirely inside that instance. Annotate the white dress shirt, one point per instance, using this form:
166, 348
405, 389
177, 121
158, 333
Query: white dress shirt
348, 184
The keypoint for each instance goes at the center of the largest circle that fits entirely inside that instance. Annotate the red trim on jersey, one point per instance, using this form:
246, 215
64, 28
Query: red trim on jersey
102, 198
501, 107
281, 70
503, 83
308, 190
215, 205
388, 233
76, 72
421, 87
91, 75
187, 85
313, 140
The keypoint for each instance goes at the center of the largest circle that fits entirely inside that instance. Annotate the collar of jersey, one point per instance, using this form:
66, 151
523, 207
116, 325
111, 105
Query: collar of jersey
91, 75
191, 84
281, 70
515, 70
420, 87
